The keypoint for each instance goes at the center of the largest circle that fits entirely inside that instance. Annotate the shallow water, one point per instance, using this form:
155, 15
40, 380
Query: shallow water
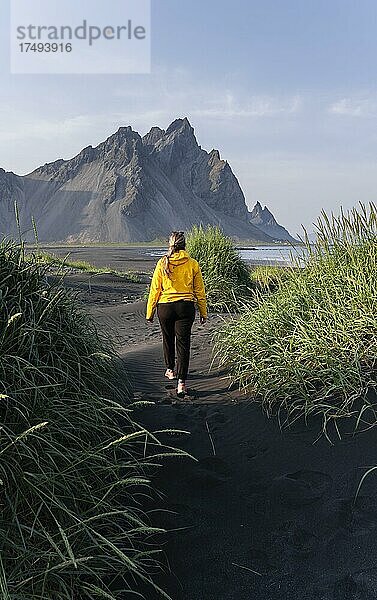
273, 255
260, 255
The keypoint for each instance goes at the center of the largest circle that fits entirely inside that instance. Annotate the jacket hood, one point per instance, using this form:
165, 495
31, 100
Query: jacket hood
179, 258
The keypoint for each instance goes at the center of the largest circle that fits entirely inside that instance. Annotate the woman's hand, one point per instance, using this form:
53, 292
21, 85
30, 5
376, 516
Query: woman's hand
150, 320
202, 320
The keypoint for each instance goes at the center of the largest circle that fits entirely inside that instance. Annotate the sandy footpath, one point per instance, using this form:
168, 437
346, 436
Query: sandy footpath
266, 514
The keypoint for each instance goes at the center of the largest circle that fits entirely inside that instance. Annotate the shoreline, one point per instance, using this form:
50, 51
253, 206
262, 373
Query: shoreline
136, 258
153, 244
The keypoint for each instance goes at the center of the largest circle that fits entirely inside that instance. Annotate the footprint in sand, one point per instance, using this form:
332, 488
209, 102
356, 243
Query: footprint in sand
362, 517
218, 418
210, 471
342, 514
186, 399
187, 417
256, 451
170, 386
296, 540
301, 488
357, 586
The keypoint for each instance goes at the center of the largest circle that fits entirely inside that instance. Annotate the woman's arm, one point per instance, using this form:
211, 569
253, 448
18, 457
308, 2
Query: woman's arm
199, 293
154, 292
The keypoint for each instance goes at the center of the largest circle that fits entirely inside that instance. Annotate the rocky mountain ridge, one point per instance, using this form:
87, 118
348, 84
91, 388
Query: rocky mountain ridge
129, 189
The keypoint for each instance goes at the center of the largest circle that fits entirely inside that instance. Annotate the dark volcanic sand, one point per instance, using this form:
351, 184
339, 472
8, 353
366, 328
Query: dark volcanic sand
267, 515
119, 258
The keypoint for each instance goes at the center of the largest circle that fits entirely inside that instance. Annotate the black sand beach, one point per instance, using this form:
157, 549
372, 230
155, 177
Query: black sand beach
263, 514
120, 258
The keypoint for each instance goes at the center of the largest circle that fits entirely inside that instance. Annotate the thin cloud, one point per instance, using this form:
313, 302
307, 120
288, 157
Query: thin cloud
351, 107
255, 107
143, 113
177, 89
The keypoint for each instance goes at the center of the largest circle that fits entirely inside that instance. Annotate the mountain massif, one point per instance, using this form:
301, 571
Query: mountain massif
131, 188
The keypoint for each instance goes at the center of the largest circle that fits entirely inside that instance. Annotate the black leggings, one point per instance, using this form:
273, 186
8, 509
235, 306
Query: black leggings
176, 319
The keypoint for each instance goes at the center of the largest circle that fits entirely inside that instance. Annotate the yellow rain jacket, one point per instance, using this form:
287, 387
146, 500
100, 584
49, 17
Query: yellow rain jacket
185, 283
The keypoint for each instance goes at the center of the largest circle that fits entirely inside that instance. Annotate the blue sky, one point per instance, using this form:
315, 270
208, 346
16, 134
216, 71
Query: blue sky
285, 90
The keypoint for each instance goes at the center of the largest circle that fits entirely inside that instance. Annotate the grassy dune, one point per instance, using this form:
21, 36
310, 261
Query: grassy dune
311, 347
226, 276
73, 464
229, 281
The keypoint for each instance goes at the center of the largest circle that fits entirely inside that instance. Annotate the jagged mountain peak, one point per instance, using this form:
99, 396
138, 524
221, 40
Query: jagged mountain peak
215, 154
180, 125
177, 144
121, 144
153, 136
265, 221
125, 129
180, 130
121, 136
262, 213
257, 210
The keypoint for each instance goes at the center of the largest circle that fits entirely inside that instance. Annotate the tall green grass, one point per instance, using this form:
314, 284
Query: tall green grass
225, 274
311, 347
73, 464
267, 278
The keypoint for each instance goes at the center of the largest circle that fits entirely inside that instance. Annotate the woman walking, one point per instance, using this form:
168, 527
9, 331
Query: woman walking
177, 284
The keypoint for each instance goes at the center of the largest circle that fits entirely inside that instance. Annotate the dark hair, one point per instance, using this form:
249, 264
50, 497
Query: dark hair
177, 241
